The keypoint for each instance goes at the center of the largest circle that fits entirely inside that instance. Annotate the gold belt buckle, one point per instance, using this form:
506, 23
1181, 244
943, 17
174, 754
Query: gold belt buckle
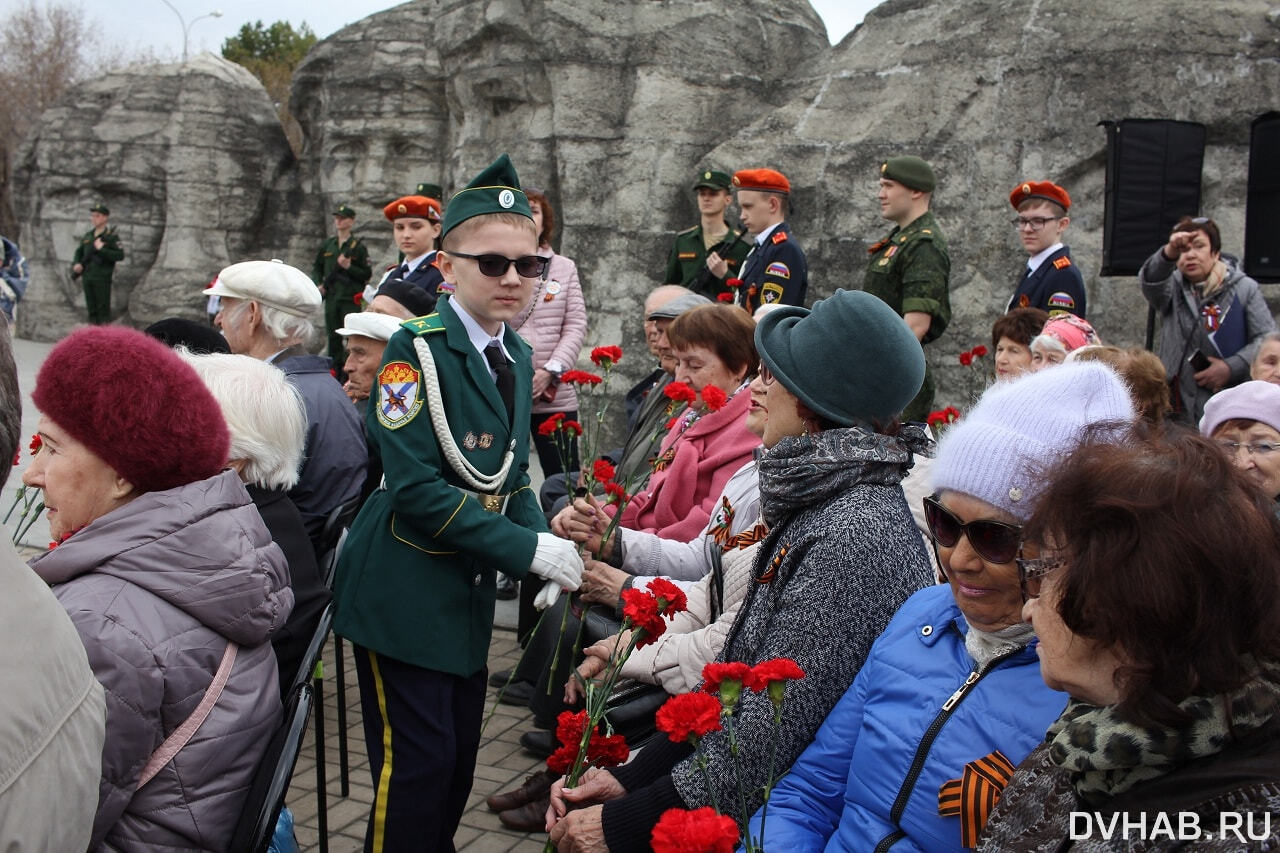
491, 503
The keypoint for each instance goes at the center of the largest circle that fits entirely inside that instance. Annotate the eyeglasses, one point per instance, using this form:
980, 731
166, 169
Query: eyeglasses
766, 375
1031, 574
996, 542
1035, 223
496, 266
1257, 448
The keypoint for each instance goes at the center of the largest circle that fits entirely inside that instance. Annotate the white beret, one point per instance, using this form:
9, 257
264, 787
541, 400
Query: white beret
272, 283
370, 324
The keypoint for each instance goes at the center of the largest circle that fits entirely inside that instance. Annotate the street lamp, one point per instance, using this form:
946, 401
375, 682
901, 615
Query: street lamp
186, 28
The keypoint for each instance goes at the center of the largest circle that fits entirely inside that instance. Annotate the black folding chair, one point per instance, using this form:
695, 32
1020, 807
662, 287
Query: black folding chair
309, 675
271, 780
328, 567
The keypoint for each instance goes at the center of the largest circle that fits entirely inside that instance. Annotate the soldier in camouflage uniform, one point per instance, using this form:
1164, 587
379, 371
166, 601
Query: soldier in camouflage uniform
909, 269
95, 262
687, 264
341, 270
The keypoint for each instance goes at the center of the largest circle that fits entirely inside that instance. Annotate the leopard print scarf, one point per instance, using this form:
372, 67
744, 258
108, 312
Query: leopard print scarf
1107, 755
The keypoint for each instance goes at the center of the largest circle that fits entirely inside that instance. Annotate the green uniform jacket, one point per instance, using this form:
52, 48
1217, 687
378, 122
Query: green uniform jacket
354, 277
689, 258
99, 264
909, 270
416, 580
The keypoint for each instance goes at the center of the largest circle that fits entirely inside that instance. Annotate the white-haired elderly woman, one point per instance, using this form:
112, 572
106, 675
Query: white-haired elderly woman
267, 422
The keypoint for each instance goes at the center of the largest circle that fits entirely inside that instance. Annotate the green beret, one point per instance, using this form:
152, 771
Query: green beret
850, 358
911, 172
99, 207
712, 180
430, 191
495, 190
345, 210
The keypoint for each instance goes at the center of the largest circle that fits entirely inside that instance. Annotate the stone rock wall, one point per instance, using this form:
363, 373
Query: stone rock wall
195, 167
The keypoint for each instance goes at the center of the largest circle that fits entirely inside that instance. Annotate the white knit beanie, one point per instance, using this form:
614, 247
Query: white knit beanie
999, 452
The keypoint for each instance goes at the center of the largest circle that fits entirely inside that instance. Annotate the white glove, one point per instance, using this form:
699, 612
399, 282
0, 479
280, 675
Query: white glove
558, 561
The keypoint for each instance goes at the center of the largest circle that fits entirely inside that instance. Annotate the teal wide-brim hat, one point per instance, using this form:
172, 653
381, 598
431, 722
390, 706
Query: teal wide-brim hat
495, 190
851, 358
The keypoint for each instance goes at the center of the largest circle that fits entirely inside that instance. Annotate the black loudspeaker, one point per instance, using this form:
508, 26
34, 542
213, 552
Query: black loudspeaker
1262, 213
1153, 180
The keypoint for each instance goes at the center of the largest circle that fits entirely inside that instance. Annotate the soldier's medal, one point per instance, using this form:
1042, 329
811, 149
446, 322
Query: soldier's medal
1024, 301
553, 287
893, 250
399, 394
777, 269
469, 440
486, 440
771, 292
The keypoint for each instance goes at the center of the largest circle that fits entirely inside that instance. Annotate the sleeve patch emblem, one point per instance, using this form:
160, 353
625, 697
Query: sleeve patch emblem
777, 269
1062, 300
399, 398
771, 293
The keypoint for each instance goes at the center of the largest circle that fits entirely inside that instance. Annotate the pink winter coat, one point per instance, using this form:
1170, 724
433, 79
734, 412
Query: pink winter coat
554, 324
679, 499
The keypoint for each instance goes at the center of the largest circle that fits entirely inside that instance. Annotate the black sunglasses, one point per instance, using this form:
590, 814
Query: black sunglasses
496, 266
994, 541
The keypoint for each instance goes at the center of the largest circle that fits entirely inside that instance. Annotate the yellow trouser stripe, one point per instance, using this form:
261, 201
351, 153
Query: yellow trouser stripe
384, 778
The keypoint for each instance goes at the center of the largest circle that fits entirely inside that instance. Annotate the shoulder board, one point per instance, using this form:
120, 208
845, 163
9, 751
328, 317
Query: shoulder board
1062, 262
424, 325
689, 230
779, 237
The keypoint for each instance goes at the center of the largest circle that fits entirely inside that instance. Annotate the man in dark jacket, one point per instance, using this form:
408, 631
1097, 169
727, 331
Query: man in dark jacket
95, 262
1050, 280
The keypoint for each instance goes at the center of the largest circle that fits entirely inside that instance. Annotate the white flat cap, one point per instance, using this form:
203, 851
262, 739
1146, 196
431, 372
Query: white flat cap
272, 282
370, 324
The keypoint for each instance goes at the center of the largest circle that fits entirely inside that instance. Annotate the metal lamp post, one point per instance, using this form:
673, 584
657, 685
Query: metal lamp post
186, 28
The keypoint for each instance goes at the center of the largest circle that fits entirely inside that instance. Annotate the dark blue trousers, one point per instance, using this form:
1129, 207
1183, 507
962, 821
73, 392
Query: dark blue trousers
422, 730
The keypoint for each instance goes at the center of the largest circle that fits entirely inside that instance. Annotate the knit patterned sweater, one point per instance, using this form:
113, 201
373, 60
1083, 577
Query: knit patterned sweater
841, 557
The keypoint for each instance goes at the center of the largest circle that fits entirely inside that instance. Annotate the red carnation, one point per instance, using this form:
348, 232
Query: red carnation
607, 750
641, 609
36, 443
602, 470
580, 377
358, 298
572, 427
689, 717
699, 831
714, 398
966, 358
675, 419
952, 413
735, 283
562, 759
569, 726
606, 356
680, 392
937, 418
979, 351
616, 493
726, 679
773, 675
671, 598
551, 424
724, 297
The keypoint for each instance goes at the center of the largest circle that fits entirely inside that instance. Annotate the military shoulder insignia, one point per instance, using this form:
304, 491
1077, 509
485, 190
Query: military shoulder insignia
1061, 301
689, 230
778, 269
1062, 263
779, 237
424, 325
926, 231
770, 293
687, 256
399, 394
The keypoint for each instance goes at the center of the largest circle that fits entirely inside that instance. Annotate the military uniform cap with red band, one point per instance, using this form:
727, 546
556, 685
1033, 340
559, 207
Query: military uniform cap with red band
761, 180
1043, 190
417, 206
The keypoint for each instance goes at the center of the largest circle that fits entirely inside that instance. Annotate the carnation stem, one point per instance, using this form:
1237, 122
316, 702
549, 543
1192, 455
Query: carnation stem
17, 499
536, 627
768, 780
701, 760
30, 521
744, 819
564, 621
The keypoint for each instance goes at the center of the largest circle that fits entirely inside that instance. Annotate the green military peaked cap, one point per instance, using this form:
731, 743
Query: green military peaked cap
99, 207
430, 191
495, 190
909, 171
345, 210
713, 180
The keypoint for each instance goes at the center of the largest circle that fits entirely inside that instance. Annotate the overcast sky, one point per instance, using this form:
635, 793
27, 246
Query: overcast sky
150, 24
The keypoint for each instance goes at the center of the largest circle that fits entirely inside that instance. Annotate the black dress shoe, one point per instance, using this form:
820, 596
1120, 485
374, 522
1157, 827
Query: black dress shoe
531, 817
507, 588
534, 788
539, 743
500, 678
517, 693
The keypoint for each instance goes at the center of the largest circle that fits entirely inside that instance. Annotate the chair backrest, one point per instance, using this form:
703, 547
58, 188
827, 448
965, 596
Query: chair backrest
329, 563
339, 519
309, 658
271, 780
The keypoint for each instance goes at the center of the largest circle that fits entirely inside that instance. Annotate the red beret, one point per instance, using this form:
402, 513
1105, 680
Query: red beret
764, 180
1041, 190
135, 405
418, 206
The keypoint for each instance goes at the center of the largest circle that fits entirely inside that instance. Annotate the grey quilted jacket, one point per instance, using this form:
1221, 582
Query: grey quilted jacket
156, 588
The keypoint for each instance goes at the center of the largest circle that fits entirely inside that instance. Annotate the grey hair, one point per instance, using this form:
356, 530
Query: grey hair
10, 402
284, 329
264, 412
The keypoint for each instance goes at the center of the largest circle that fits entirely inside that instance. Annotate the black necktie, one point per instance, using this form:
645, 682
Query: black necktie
506, 379
401, 271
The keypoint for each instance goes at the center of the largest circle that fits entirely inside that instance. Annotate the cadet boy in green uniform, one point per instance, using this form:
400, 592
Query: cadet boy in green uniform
687, 263
94, 263
341, 270
910, 268
415, 585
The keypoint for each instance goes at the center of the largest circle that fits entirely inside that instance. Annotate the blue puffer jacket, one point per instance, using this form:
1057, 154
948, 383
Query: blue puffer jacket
840, 792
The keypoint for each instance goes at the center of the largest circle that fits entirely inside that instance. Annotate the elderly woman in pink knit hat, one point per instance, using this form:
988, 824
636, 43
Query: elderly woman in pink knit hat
1245, 422
1061, 336
171, 579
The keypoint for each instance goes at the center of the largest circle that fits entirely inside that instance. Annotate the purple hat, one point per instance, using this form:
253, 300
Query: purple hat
1254, 400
